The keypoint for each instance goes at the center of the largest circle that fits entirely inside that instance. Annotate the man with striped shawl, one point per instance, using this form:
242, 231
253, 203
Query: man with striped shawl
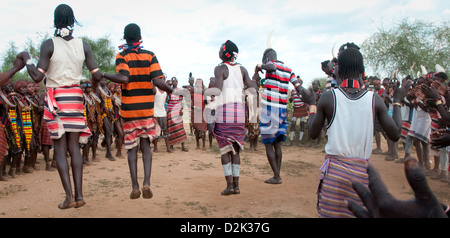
229, 126
274, 98
350, 111
138, 70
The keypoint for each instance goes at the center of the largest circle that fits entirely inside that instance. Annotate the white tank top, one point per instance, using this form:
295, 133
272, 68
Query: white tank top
66, 63
350, 132
160, 100
233, 86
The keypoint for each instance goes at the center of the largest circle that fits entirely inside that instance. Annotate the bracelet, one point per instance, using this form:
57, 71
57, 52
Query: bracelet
312, 109
94, 70
397, 104
103, 74
29, 62
439, 102
41, 70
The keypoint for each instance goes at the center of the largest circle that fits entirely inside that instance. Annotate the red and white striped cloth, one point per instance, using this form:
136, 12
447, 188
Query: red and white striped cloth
64, 112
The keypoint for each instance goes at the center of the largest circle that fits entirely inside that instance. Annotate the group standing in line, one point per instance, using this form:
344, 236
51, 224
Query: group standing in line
132, 109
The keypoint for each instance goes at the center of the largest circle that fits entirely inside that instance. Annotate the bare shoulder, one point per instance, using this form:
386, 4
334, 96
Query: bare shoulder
243, 69
326, 96
47, 44
220, 70
326, 100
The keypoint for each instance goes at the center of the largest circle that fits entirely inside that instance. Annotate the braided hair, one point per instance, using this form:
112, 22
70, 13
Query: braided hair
64, 17
351, 64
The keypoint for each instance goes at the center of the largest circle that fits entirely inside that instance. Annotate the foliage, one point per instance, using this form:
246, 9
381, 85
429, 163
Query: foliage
103, 51
104, 54
408, 43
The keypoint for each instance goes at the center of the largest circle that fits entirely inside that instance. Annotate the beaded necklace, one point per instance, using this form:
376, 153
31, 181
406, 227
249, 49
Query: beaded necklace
350, 83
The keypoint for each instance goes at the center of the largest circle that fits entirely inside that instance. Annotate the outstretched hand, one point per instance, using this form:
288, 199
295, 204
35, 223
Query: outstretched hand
381, 204
401, 92
307, 96
430, 92
442, 141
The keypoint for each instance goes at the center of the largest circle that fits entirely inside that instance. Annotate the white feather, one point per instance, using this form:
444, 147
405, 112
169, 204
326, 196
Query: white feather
439, 69
424, 70
269, 39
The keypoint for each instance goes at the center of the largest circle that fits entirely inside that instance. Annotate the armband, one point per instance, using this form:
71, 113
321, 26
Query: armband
94, 70
41, 70
312, 109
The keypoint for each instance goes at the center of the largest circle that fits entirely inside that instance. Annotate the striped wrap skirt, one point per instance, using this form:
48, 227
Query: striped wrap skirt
335, 185
175, 126
64, 112
135, 129
229, 127
3, 143
273, 124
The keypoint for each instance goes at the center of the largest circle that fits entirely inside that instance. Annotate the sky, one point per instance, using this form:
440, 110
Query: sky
186, 35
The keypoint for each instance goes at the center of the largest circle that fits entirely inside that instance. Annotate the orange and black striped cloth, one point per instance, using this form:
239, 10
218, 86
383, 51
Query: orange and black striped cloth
141, 67
137, 103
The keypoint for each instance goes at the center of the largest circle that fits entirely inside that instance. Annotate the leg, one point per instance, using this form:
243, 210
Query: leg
302, 131
85, 149
272, 152
107, 126
426, 155
183, 148
390, 156
77, 165
63, 170
155, 145
419, 150
147, 161
435, 171
278, 156
197, 138
227, 170
408, 145
15, 164
119, 139
2, 169
132, 164
94, 145
378, 142
235, 169
203, 140
292, 130
48, 161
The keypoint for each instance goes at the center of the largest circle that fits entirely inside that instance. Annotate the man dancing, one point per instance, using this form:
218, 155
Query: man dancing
274, 122
138, 71
348, 150
229, 127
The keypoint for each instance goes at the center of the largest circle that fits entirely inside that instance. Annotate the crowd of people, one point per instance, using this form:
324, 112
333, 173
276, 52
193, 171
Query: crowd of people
138, 106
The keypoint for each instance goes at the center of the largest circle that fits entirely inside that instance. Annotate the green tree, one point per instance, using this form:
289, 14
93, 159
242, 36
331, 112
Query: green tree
8, 58
104, 54
406, 44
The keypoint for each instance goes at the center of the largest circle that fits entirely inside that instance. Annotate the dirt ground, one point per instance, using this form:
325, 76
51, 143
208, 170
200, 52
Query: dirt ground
188, 185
